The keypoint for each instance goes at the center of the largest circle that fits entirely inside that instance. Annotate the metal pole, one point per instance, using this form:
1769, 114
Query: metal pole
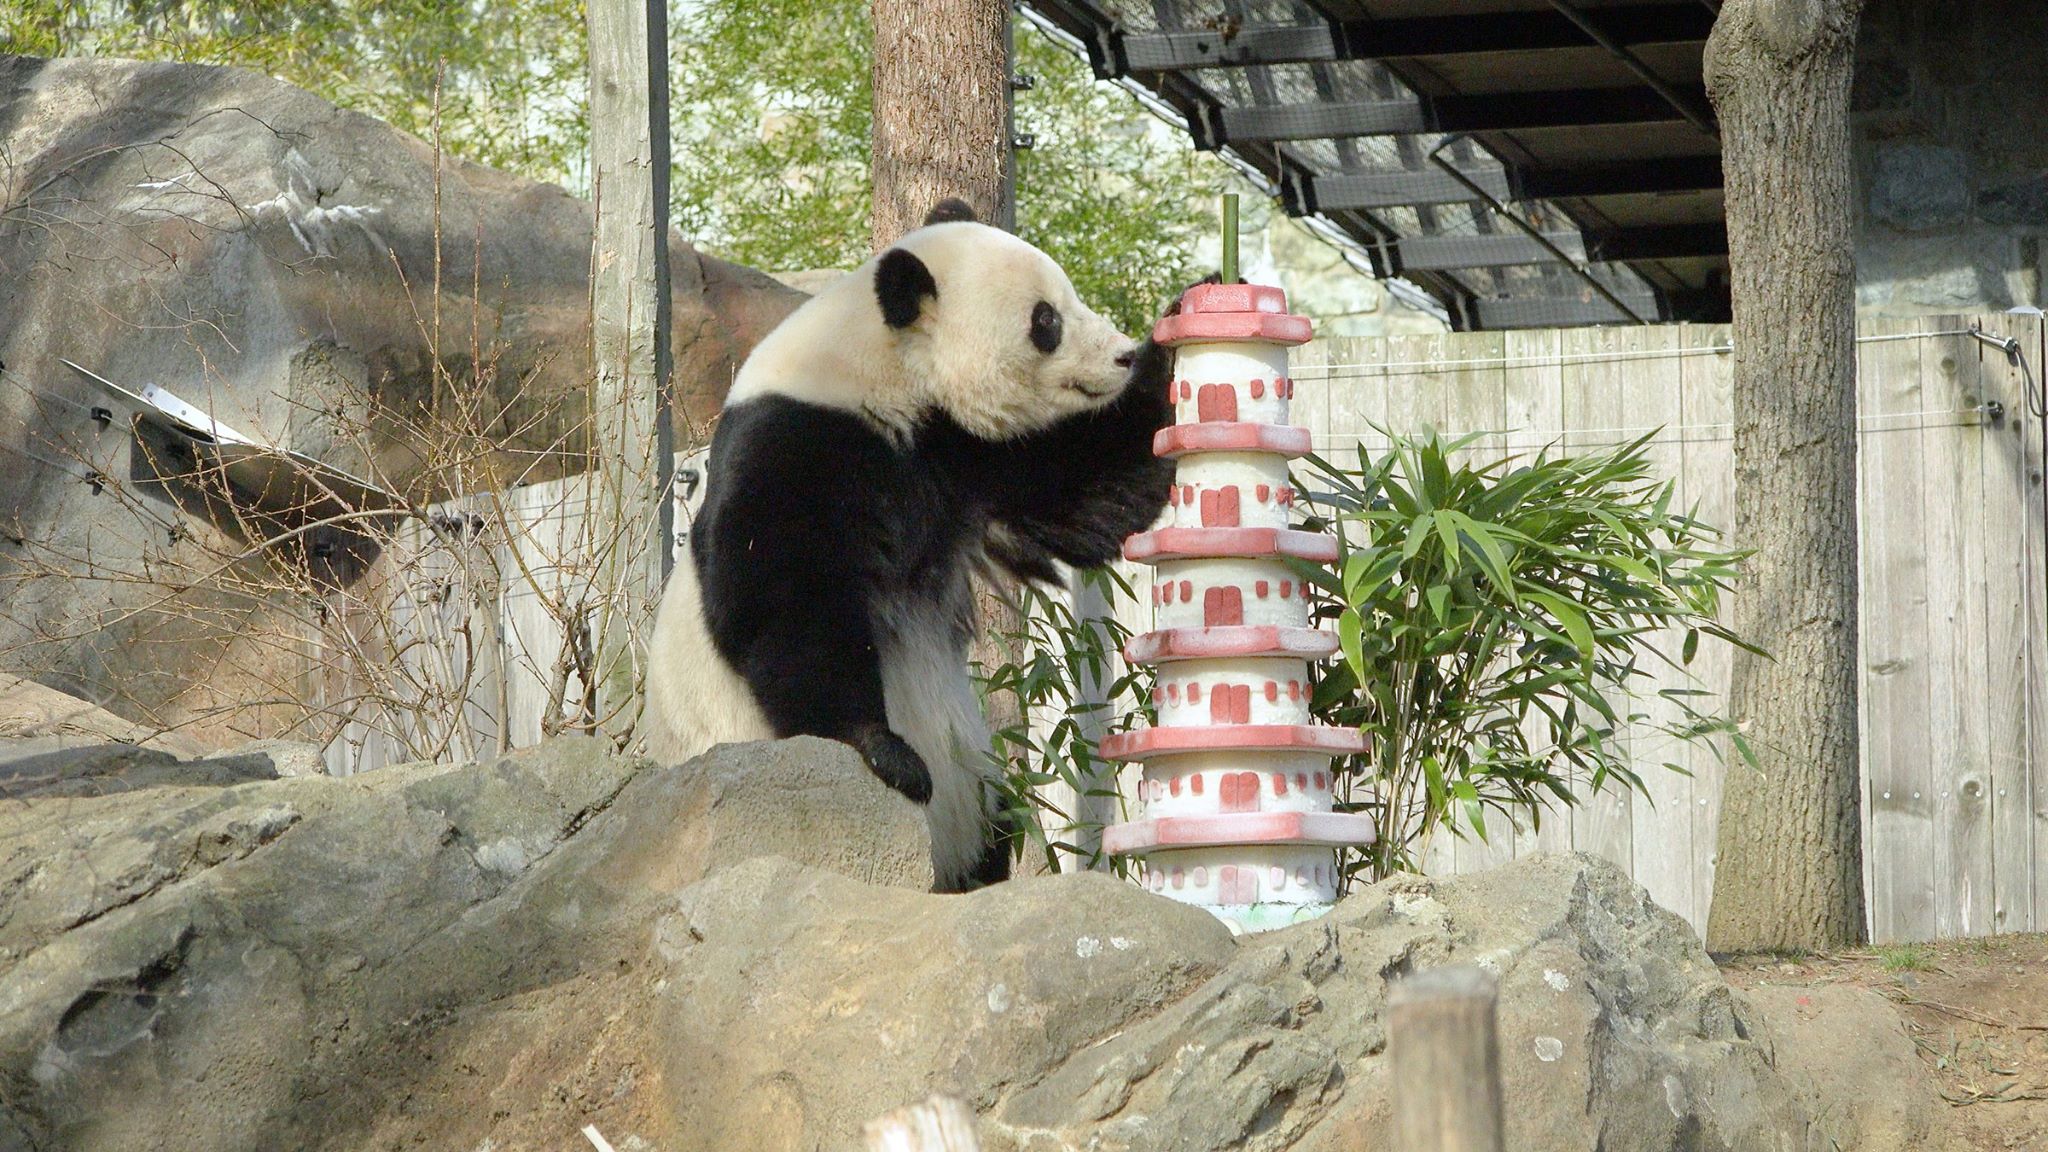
1230, 237
664, 354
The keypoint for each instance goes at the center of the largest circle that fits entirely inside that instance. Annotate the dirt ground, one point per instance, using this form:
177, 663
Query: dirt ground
1976, 1012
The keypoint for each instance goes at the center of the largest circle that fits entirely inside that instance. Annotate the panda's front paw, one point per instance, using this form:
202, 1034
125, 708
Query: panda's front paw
1173, 309
895, 762
1152, 364
1151, 369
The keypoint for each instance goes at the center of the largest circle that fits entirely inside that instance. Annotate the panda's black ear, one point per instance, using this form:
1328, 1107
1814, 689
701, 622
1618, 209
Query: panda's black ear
950, 210
901, 283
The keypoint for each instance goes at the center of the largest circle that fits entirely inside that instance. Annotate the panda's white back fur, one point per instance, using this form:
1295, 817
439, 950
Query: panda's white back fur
694, 698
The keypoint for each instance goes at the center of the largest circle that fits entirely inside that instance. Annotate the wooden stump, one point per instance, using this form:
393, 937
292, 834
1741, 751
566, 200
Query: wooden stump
1442, 1039
940, 1124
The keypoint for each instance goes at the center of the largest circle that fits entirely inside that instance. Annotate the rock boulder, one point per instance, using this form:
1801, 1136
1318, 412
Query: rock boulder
281, 263
741, 952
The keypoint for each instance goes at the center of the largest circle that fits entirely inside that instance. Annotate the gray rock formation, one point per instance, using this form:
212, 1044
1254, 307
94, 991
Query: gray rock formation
1847, 1056
262, 253
739, 952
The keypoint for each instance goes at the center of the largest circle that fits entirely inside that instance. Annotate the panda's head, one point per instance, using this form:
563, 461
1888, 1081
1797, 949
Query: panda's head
989, 330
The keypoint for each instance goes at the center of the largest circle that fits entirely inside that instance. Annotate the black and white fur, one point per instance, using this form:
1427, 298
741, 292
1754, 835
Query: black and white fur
950, 404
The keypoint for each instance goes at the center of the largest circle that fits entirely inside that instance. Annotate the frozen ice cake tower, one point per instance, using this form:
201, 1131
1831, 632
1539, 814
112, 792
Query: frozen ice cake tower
1234, 799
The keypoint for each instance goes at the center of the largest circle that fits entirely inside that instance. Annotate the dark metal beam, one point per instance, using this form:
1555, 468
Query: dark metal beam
1595, 27
1393, 189
1487, 250
1654, 242
1426, 36
1501, 211
1556, 311
1494, 112
1179, 51
1673, 174
1318, 121
1519, 32
1662, 242
1567, 108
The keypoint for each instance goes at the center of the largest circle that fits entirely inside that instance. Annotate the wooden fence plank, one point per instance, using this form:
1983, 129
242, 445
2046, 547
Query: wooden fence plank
1534, 415
540, 554
1475, 399
2035, 460
1951, 439
1593, 410
2007, 552
1417, 381
1709, 455
1661, 815
1357, 385
1310, 406
1899, 788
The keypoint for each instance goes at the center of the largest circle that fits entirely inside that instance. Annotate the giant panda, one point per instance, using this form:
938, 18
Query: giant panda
948, 405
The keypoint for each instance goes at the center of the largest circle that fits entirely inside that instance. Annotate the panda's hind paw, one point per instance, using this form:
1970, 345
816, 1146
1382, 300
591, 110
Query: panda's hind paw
895, 762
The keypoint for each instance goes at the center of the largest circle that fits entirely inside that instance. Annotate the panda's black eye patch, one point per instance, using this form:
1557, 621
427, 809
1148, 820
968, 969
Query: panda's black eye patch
1045, 328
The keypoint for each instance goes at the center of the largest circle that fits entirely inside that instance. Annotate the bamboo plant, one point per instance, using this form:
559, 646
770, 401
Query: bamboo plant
1499, 621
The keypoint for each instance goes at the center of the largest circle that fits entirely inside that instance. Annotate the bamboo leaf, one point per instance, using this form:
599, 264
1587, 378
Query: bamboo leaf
1350, 638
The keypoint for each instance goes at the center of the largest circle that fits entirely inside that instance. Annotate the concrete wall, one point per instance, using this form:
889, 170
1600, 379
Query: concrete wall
1951, 123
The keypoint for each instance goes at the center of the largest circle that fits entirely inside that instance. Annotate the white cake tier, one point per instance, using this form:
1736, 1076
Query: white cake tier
1246, 382
1197, 693
1231, 490
1242, 875
1214, 783
1226, 591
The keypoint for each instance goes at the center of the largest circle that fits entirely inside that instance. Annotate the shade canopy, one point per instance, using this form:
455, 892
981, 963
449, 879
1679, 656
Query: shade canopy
1528, 163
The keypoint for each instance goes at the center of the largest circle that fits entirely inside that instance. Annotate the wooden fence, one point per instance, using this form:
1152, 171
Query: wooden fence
1950, 516
1955, 677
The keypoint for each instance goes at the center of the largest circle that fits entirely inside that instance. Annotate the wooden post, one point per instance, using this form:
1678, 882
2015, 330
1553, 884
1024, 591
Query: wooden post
940, 1124
1445, 1050
629, 337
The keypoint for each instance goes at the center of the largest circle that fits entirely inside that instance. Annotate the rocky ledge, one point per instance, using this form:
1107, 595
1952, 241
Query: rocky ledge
740, 952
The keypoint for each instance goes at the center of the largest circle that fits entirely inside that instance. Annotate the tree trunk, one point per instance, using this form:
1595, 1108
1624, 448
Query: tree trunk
941, 109
941, 128
1789, 871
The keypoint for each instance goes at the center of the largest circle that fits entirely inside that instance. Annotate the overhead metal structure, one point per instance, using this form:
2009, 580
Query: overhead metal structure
1527, 163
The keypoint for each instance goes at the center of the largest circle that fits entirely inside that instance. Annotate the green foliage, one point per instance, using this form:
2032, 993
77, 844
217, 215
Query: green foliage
771, 109
1906, 957
511, 83
772, 114
1068, 679
1494, 618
